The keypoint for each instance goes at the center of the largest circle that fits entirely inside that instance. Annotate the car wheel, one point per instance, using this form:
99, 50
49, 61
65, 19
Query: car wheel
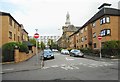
82, 56
53, 57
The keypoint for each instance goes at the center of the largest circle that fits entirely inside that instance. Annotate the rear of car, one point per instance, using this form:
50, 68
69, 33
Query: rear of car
65, 51
75, 52
48, 54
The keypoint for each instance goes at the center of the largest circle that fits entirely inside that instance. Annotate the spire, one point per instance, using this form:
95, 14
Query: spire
67, 19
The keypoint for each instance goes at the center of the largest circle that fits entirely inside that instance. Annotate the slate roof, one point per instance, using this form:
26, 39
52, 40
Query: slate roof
103, 12
99, 14
8, 14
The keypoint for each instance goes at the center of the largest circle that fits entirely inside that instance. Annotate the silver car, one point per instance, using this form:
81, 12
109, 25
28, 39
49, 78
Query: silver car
75, 52
65, 51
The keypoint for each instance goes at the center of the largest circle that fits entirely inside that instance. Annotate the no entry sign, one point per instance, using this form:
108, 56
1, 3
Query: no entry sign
36, 35
99, 37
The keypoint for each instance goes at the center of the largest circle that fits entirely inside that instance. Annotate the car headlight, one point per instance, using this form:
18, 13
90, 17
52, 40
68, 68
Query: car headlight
52, 55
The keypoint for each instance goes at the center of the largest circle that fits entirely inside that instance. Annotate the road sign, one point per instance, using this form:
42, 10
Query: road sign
36, 35
99, 37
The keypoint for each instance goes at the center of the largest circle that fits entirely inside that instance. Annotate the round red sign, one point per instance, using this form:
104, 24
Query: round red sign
36, 35
99, 37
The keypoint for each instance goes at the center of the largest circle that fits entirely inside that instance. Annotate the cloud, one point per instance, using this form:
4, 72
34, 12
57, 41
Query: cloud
50, 15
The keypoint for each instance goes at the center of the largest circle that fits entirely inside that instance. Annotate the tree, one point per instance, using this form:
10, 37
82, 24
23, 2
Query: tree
42, 45
52, 44
33, 41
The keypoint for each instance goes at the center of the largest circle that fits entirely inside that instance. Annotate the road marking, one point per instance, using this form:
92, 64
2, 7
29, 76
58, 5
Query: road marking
84, 64
45, 67
91, 66
68, 58
62, 64
54, 66
69, 67
8, 69
75, 67
80, 63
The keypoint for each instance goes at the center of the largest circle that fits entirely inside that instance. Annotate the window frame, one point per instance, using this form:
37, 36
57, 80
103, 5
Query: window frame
95, 45
104, 32
10, 34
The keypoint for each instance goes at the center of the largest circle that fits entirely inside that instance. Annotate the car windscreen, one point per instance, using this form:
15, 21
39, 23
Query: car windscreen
76, 50
47, 52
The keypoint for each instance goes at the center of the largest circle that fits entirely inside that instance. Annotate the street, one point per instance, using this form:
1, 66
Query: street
63, 67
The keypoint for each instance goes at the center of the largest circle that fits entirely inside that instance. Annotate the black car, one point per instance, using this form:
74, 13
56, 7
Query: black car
48, 54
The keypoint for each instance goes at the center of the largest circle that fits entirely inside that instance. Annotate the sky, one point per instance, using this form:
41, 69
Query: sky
48, 16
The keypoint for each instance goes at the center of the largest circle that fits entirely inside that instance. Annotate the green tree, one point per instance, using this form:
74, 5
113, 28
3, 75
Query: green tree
33, 41
42, 45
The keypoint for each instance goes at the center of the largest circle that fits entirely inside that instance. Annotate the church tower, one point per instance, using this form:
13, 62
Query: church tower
67, 23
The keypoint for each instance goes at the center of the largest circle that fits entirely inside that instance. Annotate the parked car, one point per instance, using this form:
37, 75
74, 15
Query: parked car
54, 50
64, 51
48, 54
75, 52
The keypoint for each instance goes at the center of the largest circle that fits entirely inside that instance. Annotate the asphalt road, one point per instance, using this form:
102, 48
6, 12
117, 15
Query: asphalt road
64, 67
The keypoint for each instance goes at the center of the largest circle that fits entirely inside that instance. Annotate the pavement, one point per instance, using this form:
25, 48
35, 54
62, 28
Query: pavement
100, 59
27, 65
32, 64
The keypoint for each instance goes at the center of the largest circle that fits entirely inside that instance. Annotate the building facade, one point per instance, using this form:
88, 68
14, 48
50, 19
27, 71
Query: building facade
68, 30
45, 39
11, 30
105, 23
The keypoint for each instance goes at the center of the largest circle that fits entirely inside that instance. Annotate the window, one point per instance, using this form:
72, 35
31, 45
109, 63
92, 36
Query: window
93, 24
82, 46
105, 32
85, 37
86, 45
18, 28
101, 21
94, 45
81, 31
77, 41
94, 35
18, 39
14, 25
10, 35
82, 39
10, 21
108, 31
14, 36
105, 20
85, 28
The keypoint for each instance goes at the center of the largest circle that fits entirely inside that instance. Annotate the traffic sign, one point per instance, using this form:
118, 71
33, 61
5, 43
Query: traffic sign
99, 37
36, 35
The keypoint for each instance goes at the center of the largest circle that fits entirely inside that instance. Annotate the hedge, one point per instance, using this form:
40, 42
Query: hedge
111, 48
8, 50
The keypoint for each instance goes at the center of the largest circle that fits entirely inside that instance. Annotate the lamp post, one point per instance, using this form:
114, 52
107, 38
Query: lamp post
36, 35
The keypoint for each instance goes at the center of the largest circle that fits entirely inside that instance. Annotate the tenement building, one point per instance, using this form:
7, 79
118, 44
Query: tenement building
105, 23
11, 30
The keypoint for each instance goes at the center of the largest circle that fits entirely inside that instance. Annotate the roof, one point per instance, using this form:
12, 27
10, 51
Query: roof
8, 14
104, 4
27, 43
103, 12
25, 31
98, 15
71, 28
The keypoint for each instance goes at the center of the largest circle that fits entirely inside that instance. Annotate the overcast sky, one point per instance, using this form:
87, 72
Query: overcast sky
50, 15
